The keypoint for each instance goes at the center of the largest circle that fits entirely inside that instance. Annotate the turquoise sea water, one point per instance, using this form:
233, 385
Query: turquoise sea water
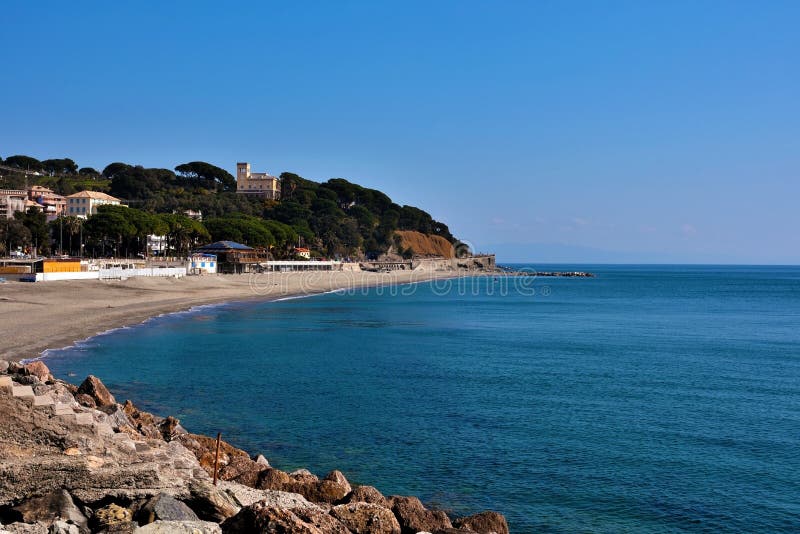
648, 399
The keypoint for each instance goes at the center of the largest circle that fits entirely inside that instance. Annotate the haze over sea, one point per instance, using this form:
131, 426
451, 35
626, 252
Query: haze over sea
648, 399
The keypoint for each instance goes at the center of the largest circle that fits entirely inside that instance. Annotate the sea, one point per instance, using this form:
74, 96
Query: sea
649, 398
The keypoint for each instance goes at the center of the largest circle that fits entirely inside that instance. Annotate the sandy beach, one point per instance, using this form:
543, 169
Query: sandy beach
38, 316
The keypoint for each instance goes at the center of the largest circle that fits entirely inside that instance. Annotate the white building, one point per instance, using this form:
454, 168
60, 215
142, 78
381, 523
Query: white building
200, 263
85, 203
156, 245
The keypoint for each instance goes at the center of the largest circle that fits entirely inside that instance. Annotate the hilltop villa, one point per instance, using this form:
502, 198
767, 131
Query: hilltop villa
85, 203
256, 183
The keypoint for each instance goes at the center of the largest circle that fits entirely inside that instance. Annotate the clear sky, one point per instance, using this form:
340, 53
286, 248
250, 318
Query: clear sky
547, 131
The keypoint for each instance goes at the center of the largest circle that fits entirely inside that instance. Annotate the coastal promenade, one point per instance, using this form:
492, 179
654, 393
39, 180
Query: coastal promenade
36, 317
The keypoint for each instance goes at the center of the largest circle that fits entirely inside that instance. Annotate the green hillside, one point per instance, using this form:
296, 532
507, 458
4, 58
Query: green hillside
336, 218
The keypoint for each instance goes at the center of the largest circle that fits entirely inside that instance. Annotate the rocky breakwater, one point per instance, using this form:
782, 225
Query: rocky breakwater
73, 460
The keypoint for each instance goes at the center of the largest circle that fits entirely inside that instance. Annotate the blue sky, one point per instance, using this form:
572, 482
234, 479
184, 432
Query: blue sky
547, 131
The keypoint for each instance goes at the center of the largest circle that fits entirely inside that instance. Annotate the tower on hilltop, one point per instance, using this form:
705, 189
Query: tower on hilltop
256, 183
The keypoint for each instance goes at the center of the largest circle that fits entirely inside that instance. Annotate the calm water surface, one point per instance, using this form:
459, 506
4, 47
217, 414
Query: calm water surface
648, 399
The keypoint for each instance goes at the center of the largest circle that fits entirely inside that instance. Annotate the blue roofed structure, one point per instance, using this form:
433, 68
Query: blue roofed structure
223, 245
235, 257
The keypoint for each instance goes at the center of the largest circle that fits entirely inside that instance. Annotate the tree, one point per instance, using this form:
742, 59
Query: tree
88, 171
13, 235
24, 163
112, 169
251, 231
107, 229
183, 232
202, 174
60, 166
36, 223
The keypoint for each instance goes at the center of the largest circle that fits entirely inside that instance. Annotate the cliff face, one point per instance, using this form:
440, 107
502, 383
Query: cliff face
425, 244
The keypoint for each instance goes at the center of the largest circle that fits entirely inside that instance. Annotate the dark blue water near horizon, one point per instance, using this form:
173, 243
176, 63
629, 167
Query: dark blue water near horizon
648, 399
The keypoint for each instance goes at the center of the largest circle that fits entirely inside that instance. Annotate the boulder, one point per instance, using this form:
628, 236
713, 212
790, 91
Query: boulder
211, 503
117, 418
179, 527
145, 423
414, 517
366, 518
367, 494
339, 478
324, 491
260, 460
164, 507
15, 367
85, 400
273, 479
50, 507
304, 475
260, 517
62, 527
246, 496
483, 523
170, 428
243, 470
321, 520
112, 518
3, 366
28, 380
39, 370
93, 387
24, 528
204, 449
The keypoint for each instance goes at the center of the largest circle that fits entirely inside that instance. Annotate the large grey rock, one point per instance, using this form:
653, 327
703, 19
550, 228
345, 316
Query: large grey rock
50, 507
165, 508
62, 527
211, 503
366, 518
180, 527
3, 366
245, 496
24, 528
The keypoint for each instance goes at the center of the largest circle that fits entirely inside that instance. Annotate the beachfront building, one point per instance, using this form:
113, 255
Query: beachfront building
287, 266
235, 257
256, 183
302, 252
201, 263
85, 203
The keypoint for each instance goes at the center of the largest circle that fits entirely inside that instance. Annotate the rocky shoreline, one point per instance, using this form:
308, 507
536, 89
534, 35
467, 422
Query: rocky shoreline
73, 460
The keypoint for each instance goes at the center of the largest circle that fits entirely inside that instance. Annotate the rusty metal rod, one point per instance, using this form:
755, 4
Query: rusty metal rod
216, 457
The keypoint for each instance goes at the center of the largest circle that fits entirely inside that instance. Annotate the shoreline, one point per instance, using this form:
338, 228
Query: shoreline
57, 315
